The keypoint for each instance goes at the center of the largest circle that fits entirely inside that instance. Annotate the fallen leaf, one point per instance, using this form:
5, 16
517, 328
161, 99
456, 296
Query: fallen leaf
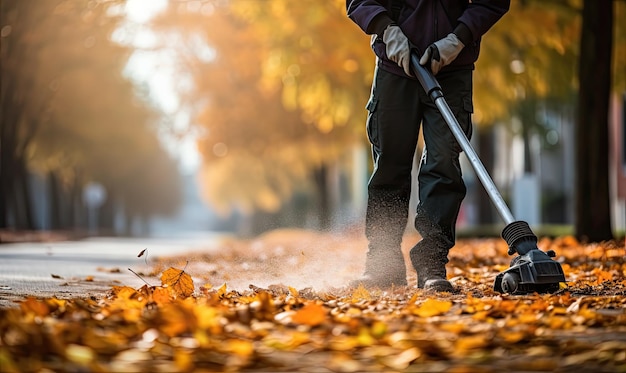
472, 342
36, 306
312, 314
293, 291
277, 327
433, 307
361, 293
178, 282
402, 360
161, 295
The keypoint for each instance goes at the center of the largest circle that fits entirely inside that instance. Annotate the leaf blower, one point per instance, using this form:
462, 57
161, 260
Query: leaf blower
532, 270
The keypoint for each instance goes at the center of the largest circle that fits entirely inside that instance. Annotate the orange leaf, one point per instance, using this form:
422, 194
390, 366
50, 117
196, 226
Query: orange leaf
124, 292
240, 347
312, 314
38, 307
161, 295
178, 282
472, 342
433, 307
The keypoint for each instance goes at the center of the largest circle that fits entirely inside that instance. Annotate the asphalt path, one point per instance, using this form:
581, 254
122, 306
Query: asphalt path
85, 267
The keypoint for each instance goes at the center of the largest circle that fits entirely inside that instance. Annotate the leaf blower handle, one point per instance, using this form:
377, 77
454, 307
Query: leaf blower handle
434, 91
425, 77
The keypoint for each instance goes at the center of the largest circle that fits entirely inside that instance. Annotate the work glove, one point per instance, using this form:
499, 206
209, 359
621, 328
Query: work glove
397, 47
442, 52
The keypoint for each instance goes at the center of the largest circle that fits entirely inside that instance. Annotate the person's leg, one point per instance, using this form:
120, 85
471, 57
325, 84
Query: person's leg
392, 128
441, 187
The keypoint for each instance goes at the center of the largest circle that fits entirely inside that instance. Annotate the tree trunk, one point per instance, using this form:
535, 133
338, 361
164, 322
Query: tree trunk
527, 114
593, 211
106, 217
24, 215
324, 210
6, 190
54, 196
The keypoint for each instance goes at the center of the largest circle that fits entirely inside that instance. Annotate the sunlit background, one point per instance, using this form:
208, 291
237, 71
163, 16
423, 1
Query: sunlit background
172, 117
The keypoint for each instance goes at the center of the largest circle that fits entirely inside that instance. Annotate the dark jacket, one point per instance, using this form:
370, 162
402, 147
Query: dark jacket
426, 21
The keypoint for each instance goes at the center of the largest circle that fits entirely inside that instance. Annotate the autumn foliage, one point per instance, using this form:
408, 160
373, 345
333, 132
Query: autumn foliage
70, 115
186, 324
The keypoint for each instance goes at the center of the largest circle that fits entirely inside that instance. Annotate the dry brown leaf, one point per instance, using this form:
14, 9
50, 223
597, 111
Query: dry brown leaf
178, 282
278, 328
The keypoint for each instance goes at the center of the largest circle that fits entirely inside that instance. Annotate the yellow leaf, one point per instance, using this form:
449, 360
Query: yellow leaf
82, 355
293, 292
124, 292
240, 347
364, 338
178, 282
433, 307
512, 336
472, 342
379, 329
176, 321
361, 293
455, 327
183, 360
221, 291
312, 314
208, 318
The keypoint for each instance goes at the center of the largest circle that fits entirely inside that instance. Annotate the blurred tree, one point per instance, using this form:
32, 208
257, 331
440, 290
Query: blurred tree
530, 54
527, 63
20, 103
553, 58
270, 79
275, 102
592, 197
70, 114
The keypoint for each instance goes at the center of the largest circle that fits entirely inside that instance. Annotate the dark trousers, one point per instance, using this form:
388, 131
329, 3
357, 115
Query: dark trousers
397, 107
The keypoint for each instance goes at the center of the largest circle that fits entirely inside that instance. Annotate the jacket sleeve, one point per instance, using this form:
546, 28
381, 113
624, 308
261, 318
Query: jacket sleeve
481, 15
369, 15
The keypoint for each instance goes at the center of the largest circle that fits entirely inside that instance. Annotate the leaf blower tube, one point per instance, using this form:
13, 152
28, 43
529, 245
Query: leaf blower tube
528, 273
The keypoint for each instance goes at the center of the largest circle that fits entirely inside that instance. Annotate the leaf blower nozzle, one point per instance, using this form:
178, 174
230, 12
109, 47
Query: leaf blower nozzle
519, 237
532, 270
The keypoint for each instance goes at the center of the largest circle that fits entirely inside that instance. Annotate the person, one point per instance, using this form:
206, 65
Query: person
446, 35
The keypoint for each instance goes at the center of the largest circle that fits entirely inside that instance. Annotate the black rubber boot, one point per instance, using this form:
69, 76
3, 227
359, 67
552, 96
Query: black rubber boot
385, 221
383, 269
429, 261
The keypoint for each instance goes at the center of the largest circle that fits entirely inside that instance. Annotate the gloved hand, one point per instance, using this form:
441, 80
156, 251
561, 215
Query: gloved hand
442, 52
397, 47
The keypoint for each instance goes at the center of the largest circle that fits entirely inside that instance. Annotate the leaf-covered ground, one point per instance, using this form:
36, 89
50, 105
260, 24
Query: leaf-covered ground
276, 303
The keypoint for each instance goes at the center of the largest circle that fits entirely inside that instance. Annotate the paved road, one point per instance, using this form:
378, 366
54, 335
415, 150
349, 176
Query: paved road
85, 267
